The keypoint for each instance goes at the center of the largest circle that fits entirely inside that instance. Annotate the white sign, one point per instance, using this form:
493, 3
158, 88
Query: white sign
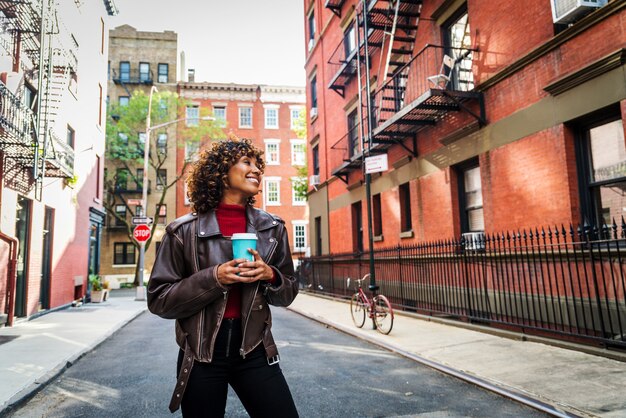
376, 164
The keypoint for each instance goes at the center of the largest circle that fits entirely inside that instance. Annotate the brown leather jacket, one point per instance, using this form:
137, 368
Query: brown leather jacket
183, 284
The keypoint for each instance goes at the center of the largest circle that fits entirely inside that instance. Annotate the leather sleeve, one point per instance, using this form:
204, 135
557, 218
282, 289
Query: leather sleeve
285, 287
171, 293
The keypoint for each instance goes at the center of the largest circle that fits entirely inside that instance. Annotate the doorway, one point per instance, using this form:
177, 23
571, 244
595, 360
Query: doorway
46, 262
22, 233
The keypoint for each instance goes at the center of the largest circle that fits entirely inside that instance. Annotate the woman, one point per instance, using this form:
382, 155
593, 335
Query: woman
220, 305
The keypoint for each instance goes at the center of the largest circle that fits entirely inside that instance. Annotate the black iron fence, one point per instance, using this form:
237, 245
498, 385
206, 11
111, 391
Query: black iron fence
565, 283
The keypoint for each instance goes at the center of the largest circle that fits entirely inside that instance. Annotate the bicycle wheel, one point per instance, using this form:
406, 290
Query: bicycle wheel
357, 310
383, 317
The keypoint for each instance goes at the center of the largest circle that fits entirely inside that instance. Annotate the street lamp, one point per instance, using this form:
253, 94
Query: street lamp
141, 289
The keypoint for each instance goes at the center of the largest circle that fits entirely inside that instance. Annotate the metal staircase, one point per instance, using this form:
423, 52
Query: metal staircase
42, 48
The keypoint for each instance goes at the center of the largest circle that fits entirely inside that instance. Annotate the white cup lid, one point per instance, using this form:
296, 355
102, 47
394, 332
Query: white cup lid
244, 236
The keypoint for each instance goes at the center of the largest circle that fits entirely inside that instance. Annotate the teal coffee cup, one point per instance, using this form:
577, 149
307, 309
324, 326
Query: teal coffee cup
241, 243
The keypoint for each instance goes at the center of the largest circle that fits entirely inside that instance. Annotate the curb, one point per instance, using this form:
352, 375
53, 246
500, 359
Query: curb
42, 381
532, 400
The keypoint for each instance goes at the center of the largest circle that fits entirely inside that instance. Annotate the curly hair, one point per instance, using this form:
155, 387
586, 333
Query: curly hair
207, 180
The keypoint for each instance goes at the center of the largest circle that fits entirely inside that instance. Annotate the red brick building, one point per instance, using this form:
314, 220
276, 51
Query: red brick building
267, 115
52, 122
492, 118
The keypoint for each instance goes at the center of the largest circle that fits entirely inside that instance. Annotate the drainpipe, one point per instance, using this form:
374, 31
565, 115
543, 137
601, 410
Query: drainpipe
11, 271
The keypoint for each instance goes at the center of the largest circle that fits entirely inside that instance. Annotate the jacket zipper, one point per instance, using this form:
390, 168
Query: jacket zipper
245, 327
194, 249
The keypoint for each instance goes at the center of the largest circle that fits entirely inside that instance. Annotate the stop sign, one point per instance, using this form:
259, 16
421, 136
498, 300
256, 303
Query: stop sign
141, 233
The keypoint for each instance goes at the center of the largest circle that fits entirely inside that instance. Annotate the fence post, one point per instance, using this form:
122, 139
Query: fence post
464, 260
592, 258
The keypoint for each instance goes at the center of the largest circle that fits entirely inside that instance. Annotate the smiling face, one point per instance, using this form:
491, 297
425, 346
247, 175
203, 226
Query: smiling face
243, 181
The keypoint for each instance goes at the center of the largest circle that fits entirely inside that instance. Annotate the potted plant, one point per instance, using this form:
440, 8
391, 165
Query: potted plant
99, 292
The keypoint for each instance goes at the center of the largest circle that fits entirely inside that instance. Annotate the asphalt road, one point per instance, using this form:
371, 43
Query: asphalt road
331, 375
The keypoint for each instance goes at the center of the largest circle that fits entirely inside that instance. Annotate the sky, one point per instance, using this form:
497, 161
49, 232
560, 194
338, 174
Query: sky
238, 41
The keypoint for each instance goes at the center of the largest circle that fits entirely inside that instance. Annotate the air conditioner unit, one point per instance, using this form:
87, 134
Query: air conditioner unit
474, 241
313, 112
314, 180
567, 11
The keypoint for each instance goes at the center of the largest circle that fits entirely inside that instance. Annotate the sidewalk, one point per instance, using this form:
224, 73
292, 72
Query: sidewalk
564, 382
33, 352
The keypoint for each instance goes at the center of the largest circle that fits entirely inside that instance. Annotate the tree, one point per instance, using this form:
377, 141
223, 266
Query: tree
300, 184
125, 140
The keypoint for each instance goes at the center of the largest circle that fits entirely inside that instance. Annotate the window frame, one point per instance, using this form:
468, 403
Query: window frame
122, 66
295, 200
160, 73
267, 118
404, 199
147, 77
128, 249
268, 153
192, 120
267, 192
296, 224
240, 110
460, 170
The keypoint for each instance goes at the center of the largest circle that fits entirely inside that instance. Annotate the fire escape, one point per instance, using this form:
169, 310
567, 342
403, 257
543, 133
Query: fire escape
414, 90
41, 49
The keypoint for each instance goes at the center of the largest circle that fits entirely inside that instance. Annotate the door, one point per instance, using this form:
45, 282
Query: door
22, 229
46, 261
357, 226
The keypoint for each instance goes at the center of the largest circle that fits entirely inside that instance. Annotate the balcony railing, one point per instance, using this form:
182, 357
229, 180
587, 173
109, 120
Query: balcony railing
408, 101
59, 157
343, 64
567, 283
346, 153
132, 77
16, 124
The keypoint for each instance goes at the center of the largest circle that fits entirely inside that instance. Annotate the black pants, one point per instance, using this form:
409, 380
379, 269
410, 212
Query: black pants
261, 388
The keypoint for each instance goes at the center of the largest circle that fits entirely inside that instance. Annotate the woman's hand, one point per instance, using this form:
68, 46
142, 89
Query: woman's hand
244, 271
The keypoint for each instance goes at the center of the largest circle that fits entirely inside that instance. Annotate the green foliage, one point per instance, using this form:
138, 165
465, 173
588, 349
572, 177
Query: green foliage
125, 147
95, 282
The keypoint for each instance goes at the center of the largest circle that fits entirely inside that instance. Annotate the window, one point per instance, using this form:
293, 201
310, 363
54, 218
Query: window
161, 211
121, 178
357, 227
144, 72
70, 136
377, 215
318, 235
272, 151
295, 118
191, 150
124, 71
471, 197
405, 208
298, 152
311, 26
99, 104
123, 139
124, 253
271, 118
299, 236
349, 41
603, 164
162, 143
245, 117
272, 191
102, 36
139, 179
163, 70
161, 180
141, 142
219, 113
124, 100
297, 199
192, 113
313, 96
353, 133
316, 160
458, 42
120, 211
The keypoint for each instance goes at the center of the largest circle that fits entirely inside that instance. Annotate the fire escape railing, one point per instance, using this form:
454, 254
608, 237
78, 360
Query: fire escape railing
16, 121
132, 77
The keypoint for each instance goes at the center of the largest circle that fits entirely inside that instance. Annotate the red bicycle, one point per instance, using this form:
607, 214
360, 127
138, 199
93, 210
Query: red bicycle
378, 308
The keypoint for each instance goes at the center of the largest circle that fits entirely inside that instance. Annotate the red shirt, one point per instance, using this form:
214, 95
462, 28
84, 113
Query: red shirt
232, 220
